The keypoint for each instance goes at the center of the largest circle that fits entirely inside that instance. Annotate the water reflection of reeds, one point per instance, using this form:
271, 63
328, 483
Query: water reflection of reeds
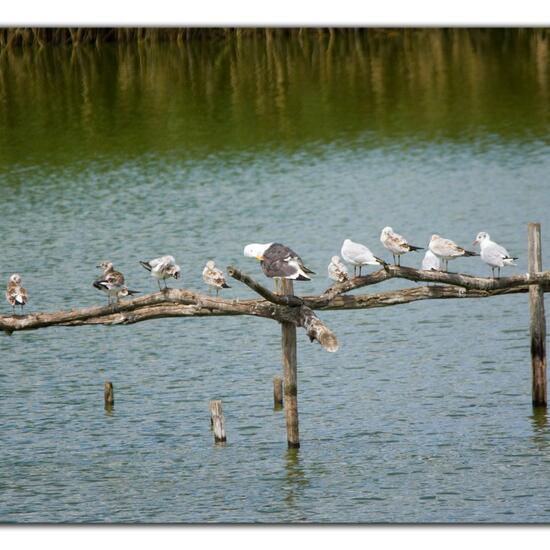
252, 85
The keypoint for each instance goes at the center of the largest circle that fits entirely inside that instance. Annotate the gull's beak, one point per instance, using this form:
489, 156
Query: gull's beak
476, 241
259, 258
98, 266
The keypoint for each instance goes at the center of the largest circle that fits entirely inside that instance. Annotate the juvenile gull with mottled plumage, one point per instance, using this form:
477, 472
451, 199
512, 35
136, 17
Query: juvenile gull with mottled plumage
16, 295
446, 250
213, 276
396, 244
337, 270
112, 282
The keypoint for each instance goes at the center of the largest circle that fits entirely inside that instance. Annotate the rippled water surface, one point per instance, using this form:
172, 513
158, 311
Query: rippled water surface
130, 152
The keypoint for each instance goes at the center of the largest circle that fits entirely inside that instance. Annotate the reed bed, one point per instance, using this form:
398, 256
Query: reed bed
14, 37
39, 36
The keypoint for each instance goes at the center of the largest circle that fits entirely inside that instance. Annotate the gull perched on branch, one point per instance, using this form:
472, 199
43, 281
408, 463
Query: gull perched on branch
396, 244
431, 262
112, 282
446, 250
16, 295
337, 271
279, 261
162, 268
213, 276
492, 253
358, 255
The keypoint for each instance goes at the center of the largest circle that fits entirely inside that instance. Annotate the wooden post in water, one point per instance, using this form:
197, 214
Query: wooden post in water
290, 374
277, 392
537, 318
109, 395
217, 420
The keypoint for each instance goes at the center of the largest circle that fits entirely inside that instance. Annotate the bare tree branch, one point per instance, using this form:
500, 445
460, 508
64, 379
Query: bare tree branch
417, 275
175, 302
408, 295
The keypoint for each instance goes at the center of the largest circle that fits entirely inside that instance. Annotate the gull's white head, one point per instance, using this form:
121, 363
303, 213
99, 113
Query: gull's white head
387, 230
256, 250
106, 266
434, 237
210, 264
482, 236
335, 259
15, 278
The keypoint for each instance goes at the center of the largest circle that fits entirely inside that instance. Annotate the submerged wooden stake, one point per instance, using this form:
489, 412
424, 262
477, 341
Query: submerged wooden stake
290, 373
537, 318
109, 395
277, 392
217, 421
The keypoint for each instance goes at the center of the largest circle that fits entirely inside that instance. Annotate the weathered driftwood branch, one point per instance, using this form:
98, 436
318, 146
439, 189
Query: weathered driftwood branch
459, 279
406, 296
186, 303
181, 303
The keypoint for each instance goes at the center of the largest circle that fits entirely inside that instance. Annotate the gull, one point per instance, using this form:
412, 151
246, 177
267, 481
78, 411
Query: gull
446, 250
213, 276
16, 295
278, 261
396, 244
162, 268
431, 262
112, 282
337, 271
358, 255
492, 253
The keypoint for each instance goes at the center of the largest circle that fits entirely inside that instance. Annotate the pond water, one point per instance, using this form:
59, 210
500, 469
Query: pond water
129, 152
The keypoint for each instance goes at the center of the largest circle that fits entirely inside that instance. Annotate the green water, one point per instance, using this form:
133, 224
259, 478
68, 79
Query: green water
127, 152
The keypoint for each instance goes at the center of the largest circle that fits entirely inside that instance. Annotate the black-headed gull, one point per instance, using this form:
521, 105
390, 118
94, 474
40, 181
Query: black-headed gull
492, 253
431, 262
358, 255
162, 268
